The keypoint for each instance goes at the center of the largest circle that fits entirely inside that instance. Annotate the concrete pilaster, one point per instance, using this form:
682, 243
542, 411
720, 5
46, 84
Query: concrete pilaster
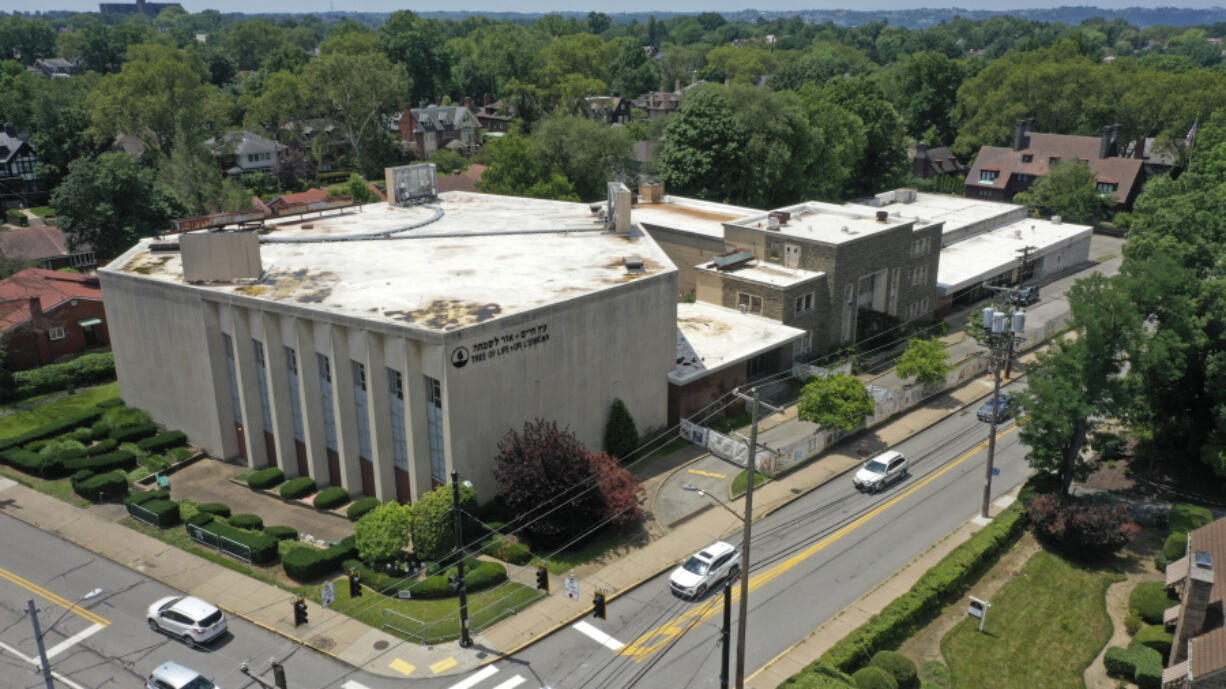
219, 375
312, 408
416, 433
378, 405
346, 420
280, 400
248, 388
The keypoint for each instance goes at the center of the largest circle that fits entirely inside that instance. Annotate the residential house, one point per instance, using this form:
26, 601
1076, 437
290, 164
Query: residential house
1198, 652
610, 109
244, 151
45, 246
54, 68
18, 184
132, 145
494, 116
998, 173
428, 129
46, 315
928, 163
659, 104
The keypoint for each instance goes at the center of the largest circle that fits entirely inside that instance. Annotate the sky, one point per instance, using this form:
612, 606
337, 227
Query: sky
308, 6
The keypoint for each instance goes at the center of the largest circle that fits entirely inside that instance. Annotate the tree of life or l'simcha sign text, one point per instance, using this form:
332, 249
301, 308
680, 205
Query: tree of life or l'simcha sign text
500, 345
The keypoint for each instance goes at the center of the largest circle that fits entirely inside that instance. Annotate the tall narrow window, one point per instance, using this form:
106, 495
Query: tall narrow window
238, 409
262, 378
361, 408
325, 397
295, 401
434, 428
395, 397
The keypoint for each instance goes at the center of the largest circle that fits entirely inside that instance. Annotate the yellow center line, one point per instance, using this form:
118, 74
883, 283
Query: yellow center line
89, 615
655, 640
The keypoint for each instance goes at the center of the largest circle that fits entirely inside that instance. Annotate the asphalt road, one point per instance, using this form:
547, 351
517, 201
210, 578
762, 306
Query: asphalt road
809, 561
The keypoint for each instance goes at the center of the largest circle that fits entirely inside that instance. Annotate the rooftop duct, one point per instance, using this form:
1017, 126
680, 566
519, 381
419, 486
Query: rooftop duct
221, 256
410, 185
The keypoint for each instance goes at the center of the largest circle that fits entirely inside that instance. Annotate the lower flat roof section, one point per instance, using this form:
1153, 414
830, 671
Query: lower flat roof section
711, 338
984, 256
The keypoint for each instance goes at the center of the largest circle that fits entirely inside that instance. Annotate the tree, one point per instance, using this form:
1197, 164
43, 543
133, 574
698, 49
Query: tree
929, 83
820, 64
703, 147
251, 41
59, 125
586, 152
434, 521
109, 202
190, 173
925, 360
619, 489
417, 44
1068, 190
383, 532
598, 22
840, 402
26, 39
357, 91
633, 72
515, 169
357, 189
621, 436
547, 482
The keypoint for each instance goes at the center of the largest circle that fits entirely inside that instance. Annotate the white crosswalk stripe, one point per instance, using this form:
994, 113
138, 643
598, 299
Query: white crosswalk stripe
476, 678
511, 683
598, 636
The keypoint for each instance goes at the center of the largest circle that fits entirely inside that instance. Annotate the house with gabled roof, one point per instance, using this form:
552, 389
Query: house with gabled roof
47, 314
1198, 650
245, 151
19, 184
999, 173
928, 163
430, 128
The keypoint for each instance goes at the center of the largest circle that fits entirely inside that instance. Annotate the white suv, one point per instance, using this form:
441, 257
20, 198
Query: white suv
188, 618
710, 565
170, 675
880, 471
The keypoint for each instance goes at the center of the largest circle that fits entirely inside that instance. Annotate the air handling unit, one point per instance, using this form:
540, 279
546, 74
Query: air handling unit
409, 185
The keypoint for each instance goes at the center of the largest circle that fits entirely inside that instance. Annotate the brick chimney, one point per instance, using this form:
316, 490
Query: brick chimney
36, 308
1020, 140
1195, 604
488, 99
677, 86
1105, 143
468, 103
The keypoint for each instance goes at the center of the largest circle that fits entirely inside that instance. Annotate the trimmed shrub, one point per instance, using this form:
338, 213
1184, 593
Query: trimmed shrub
433, 522
81, 371
100, 487
109, 403
134, 432
329, 498
1081, 527
1186, 518
99, 430
900, 667
1156, 637
146, 496
477, 575
297, 488
282, 533
101, 447
251, 522
360, 507
236, 542
199, 519
179, 454
1119, 663
515, 553
265, 478
1149, 600
52, 429
163, 441
307, 564
31, 463
1175, 547
163, 513
1132, 623
217, 509
873, 678
817, 676
119, 459
1149, 662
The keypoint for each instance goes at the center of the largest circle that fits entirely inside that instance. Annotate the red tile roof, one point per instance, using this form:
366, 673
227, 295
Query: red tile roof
1042, 147
316, 194
34, 243
50, 287
467, 181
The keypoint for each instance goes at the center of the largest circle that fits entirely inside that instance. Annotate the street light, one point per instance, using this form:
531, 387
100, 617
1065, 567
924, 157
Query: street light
695, 489
726, 630
38, 635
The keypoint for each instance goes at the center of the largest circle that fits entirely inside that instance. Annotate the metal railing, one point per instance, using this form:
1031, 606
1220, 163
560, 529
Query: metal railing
218, 542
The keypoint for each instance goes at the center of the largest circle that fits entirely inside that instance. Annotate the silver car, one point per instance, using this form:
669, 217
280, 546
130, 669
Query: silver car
188, 618
170, 675
880, 471
713, 564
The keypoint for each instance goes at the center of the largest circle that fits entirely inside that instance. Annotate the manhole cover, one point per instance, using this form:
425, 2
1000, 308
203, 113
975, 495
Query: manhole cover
380, 645
322, 643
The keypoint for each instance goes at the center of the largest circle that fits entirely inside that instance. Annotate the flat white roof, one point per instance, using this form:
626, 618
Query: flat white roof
825, 222
711, 338
766, 273
487, 256
690, 215
989, 254
956, 212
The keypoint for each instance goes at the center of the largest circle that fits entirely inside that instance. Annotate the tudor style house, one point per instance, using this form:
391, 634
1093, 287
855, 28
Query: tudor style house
48, 314
433, 127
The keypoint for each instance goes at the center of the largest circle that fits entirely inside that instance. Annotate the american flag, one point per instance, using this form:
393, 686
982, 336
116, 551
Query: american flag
1191, 137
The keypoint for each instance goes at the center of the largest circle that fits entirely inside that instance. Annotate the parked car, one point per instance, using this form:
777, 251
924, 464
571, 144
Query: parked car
188, 618
709, 566
171, 675
880, 471
1004, 409
1024, 296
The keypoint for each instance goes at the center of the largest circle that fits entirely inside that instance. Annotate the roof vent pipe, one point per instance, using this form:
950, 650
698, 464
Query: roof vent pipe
882, 216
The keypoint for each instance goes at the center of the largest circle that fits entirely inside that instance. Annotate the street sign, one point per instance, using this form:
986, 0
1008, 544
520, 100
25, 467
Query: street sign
979, 608
327, 596
570, 586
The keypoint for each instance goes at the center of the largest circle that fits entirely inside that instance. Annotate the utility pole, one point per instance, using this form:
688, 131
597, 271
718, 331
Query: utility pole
750, 466
725, 635
42, 649
465, 640
1002, 329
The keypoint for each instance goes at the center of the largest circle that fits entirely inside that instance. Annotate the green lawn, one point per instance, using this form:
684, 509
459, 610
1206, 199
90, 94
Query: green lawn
1043, 629
21, 421
600, 544
740, 480
60, 489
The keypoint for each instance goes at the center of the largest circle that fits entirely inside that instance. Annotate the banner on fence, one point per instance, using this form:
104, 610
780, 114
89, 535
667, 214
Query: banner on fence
807, 371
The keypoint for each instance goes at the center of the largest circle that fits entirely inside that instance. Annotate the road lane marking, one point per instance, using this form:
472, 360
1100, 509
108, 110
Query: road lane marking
38, 665
444, 664
74, 639
473, 680
659, 638
511, 683
598, 636
54, 598
708, 474
402, 667
350, 684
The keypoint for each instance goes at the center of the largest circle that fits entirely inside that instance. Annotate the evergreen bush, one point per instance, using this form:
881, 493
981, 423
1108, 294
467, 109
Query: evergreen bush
330, 498
265, 478
250, 522
297, 488
900, 667
360, 507
872, 677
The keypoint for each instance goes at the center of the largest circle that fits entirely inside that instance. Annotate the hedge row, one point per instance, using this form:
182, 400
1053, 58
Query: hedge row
31, 463
262, 548
81, 371
329, 498
53, 428
163, 441
1140, 664
945, 581
308, 564
265, 478
119, 459
251, 522
282, 533
101, 447
298, 487
163, 512
100, 487
129, 434
478, 575
217, 509
499, 547
146, 496
1156, 637
360, 507
1149, 600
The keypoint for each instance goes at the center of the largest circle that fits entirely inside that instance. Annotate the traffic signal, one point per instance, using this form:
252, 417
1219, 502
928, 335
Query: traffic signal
355, 584
453, 580
300, 611
598, 610
278, 675
542, 578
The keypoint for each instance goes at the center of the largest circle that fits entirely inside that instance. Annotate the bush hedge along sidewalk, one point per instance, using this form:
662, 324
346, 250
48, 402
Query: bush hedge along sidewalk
265, 478
133, 433
100, 487
329, 498
81, 371
53, 428
251, 522
360, 507
308, 564
298, 488
160, 513
163, 441
217, 509
251, 546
